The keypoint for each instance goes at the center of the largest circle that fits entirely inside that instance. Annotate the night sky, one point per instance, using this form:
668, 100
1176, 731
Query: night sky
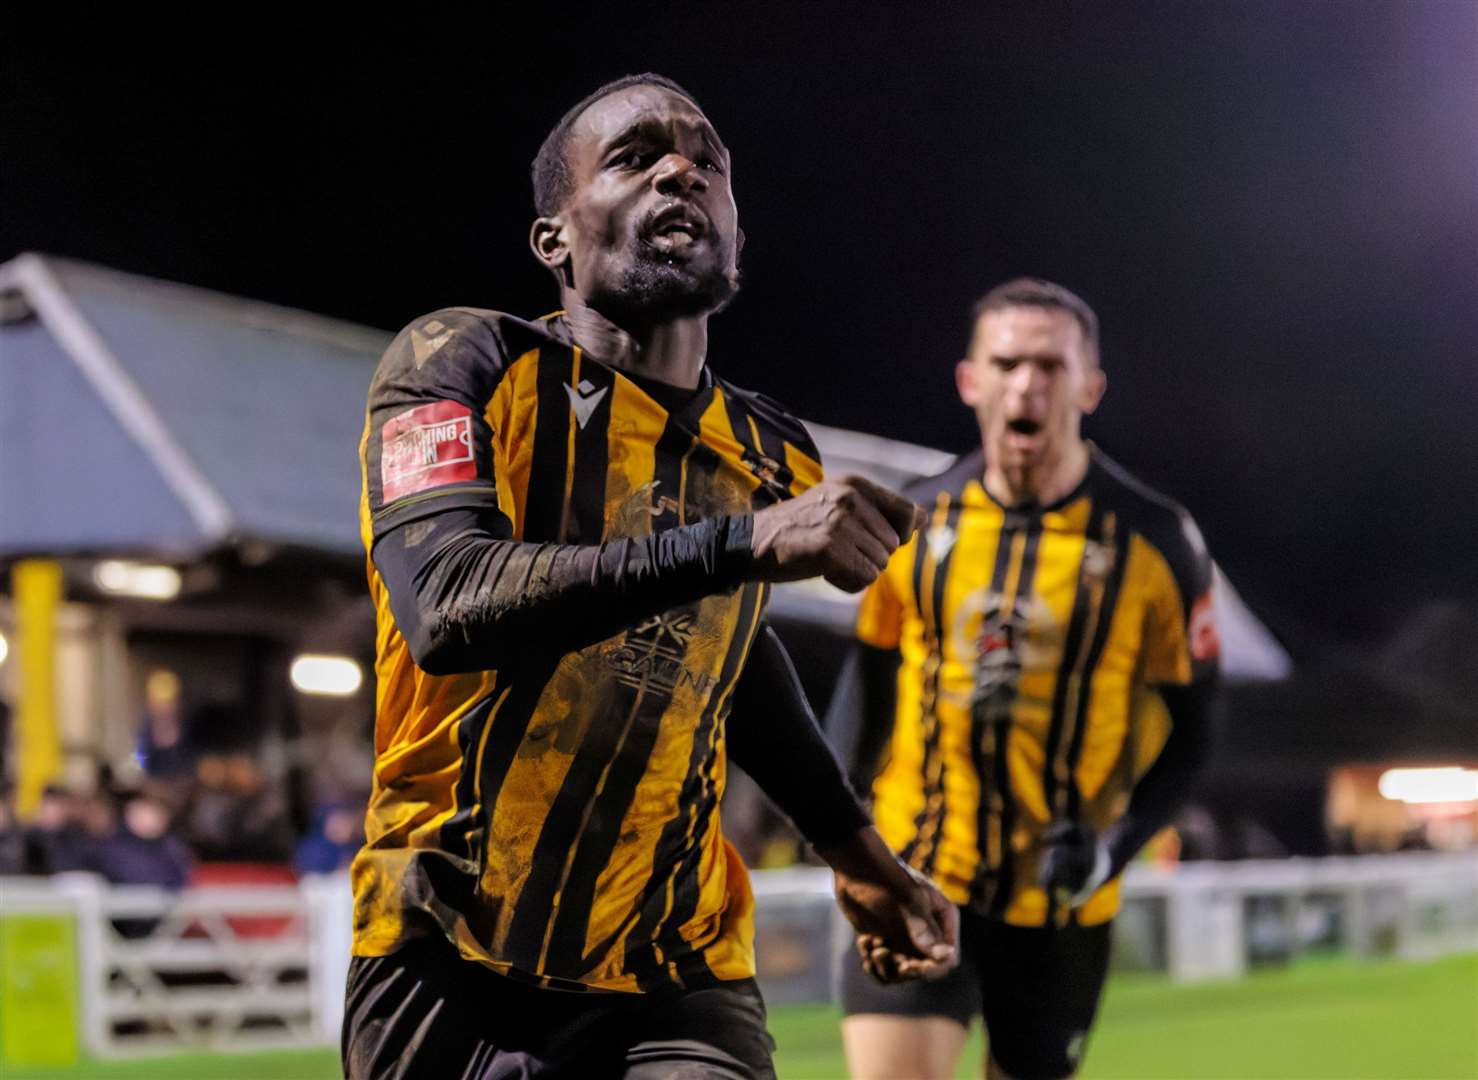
1273, 207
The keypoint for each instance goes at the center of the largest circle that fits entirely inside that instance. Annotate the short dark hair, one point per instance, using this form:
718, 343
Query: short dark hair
551, 167
1034, 292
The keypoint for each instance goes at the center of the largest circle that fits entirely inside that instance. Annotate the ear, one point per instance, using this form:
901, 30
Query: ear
1094, 387
965, 383
549, 243
738, 241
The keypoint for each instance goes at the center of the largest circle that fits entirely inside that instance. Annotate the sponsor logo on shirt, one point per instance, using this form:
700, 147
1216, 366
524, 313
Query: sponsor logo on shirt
650, 656
995, 640
426, 447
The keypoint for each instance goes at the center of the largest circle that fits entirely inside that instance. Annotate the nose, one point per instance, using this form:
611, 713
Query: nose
676, 175
1027, 379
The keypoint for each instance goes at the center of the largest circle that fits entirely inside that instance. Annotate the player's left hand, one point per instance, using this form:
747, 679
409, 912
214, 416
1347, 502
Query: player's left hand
1075, 863
907, 928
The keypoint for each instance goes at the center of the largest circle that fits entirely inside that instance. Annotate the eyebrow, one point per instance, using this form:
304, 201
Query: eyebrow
1029, 357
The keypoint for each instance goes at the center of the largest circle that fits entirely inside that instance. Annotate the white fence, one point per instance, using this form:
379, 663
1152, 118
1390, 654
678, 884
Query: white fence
252, 967
244, 967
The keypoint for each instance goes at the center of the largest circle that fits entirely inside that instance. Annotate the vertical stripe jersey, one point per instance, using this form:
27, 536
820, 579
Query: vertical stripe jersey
1033, 640
556, 814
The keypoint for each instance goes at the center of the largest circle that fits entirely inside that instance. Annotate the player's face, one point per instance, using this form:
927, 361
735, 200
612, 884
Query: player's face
651, 227
1030, 378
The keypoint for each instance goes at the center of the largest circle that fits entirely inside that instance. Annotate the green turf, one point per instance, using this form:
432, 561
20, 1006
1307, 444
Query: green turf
1330, 1020
1341, 1020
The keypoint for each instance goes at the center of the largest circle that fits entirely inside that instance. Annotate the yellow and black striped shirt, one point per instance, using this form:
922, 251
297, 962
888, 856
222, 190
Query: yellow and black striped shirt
556, 815
1032, 642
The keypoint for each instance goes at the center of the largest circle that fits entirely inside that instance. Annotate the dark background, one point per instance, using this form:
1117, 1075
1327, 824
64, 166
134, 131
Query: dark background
1273, 207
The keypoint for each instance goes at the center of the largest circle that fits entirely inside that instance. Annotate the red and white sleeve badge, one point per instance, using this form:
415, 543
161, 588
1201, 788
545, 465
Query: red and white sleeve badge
426, 447
1205, 639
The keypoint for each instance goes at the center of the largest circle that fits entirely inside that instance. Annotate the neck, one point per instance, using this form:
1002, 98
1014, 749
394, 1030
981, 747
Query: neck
1042, 482
670, 352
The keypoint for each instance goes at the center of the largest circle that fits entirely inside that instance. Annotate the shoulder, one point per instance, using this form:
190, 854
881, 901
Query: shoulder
951, 481
459, 346
771, 414
1158, 519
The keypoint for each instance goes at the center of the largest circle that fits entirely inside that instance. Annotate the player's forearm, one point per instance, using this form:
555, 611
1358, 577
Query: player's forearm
467, 600
1170, 780
872, 695
863, 855
773, 736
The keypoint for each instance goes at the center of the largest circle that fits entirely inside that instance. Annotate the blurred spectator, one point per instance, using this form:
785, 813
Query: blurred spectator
97, 813
337, 832
163, 750
1200, 837
57, 841
4, 738
141, 851
12, 840
1249, 838
235, 815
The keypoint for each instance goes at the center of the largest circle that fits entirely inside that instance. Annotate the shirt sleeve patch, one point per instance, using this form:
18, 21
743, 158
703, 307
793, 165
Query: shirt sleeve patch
1205, 640
426, 447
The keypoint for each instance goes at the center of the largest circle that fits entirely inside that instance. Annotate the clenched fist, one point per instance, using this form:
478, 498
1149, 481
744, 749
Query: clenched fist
842, 530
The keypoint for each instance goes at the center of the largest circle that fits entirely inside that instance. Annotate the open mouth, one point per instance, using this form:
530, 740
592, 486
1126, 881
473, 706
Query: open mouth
677, 231
675, 226
1024, 426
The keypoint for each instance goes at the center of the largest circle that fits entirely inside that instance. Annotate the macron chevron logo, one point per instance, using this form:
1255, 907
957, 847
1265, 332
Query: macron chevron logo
584, 400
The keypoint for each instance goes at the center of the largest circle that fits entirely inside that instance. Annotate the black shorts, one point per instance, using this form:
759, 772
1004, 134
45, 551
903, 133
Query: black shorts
1037, 988
424, 1012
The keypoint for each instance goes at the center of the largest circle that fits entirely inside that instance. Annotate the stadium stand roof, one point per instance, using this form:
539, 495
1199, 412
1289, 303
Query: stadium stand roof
143, 416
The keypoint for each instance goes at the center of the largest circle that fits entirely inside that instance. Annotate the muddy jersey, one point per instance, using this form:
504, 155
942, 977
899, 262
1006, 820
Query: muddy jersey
555, 812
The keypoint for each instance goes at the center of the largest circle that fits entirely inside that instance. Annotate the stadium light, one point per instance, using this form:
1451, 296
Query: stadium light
4, 648
334, 676
137, 579
1450, 784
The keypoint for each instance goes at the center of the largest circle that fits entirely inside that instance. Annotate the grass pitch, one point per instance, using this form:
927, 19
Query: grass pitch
1331, 1020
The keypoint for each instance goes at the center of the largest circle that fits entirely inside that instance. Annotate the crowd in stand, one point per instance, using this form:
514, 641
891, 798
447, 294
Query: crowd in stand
161, 834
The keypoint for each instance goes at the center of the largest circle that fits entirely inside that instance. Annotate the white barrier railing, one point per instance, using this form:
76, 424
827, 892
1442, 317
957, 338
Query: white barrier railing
208, 968
252, 967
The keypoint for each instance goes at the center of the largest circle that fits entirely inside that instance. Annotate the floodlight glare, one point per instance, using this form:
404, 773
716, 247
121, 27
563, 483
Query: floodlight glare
335, 676
4, 648
137, 579
1450, 784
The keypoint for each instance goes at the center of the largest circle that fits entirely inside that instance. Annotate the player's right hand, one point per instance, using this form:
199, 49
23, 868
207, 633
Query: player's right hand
842, 530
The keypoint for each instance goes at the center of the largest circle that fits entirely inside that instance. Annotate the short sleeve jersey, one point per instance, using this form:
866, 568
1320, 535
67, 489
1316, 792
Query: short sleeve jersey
559, 822
1032, 641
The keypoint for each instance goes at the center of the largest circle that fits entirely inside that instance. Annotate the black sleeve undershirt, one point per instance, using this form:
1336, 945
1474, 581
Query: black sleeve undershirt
862, 711
1169, 782
774, 737
467, 597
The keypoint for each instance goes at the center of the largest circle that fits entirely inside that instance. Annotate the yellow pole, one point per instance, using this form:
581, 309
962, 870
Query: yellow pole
36, 585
